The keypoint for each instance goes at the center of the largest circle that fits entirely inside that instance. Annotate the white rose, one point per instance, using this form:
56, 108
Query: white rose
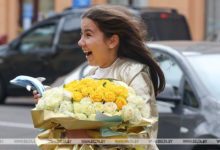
92, 117
67, 95
84, 106
66, 105
40, 105
127, 112
145, 111
68, 113
89, 109
110, 108
131, 114
120, 83
136, 118
117, 113
86, 100
99, 106
131, 91
108, 114
80, 116
77, 107
53, 97
135, 100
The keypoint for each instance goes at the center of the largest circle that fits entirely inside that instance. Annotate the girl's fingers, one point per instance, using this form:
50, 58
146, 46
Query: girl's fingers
34, 92
35, 101
36, 96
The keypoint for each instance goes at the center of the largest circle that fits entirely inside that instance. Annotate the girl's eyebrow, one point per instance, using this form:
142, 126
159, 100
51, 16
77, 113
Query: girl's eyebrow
88, 30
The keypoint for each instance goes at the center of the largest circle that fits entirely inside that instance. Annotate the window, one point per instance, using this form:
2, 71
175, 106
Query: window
189, 97
172, 72
70, 34
39, 38
212, 20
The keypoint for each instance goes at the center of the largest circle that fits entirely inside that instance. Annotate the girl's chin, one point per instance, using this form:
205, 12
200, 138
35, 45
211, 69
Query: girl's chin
91, 63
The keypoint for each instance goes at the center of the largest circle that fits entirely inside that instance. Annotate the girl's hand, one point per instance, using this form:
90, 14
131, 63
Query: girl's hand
74, 134
36, 96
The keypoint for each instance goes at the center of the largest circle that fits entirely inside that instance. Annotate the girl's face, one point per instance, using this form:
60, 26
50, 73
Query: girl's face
98, 49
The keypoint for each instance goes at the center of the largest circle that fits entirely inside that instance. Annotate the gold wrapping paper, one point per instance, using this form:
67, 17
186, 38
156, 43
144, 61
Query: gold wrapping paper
44, 119
57, 123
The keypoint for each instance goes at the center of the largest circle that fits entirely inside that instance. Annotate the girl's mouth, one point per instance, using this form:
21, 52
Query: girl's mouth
89, 53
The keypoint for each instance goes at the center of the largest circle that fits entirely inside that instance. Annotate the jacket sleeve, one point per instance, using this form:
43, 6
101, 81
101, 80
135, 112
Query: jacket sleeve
143, 86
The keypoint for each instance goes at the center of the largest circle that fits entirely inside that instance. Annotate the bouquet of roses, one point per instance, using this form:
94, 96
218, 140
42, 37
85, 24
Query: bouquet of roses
91, 104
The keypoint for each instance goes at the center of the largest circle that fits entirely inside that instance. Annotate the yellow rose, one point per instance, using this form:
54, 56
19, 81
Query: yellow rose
100, 89
103, 82
121, 91
68, 89
89, 82
109, 96
120, 102
79, 88
72, 84
96, 96
86, 91
86, 80
111, 87
77, 96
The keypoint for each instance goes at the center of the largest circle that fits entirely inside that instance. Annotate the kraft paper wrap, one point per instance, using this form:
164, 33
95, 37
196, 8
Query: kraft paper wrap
44, 119
57, 123
50, 140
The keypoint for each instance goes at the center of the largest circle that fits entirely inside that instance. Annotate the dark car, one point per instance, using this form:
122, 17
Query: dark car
189, 107
49, 49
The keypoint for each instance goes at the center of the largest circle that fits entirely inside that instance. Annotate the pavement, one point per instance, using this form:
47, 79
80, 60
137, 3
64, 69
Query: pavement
16, 123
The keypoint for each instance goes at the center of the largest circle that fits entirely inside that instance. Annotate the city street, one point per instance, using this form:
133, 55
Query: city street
16, 122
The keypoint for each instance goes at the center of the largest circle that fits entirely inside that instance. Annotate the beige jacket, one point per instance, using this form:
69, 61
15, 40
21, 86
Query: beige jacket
137, 76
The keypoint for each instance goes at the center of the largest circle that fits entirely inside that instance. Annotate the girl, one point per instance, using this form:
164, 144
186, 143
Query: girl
113, 40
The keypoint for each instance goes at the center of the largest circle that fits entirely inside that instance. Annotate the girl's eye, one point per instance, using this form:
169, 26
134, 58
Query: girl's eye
88, 34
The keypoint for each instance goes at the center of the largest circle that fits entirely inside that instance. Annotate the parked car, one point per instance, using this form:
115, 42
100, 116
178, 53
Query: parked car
189, 107
49, 48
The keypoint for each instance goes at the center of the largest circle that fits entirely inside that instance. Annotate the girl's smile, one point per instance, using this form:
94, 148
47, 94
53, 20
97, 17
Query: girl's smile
98, 49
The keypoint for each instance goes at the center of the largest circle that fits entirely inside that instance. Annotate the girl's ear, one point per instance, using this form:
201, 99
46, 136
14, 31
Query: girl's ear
113, 41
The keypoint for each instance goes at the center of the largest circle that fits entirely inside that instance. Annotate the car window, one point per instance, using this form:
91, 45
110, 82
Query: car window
166, 26
189, 98
70, 34
39, 38
172, 72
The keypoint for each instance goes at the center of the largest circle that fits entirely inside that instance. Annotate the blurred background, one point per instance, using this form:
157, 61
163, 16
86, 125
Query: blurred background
39, 38
203, 16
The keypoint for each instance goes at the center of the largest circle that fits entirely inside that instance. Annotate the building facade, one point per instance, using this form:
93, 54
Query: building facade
202, 15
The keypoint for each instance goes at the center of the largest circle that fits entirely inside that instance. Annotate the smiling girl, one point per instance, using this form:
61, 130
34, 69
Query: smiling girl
113, 40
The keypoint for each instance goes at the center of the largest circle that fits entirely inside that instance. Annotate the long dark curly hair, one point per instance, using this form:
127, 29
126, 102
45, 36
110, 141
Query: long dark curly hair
119, 20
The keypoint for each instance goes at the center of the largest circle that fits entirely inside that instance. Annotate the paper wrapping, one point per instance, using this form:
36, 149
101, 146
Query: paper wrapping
44, 119
56, 124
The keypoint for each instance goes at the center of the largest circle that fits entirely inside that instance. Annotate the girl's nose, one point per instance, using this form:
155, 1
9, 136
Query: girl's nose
81, 42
